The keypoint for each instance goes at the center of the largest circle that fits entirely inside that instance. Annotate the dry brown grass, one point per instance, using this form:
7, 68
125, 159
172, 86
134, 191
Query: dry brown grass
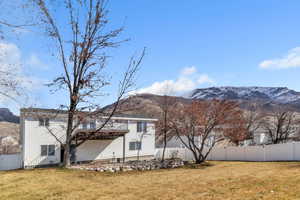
222, 180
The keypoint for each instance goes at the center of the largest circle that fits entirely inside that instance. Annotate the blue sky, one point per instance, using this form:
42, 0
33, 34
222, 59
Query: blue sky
190, 44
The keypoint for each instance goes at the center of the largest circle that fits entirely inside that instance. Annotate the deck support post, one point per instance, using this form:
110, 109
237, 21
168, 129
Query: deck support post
124, 148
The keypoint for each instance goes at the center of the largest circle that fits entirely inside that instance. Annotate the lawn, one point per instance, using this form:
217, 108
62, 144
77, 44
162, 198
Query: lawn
220, 180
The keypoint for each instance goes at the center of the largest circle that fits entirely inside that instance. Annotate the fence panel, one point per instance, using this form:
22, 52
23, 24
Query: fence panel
217, 154
276, 152
235, 153
254, 153
279, 152
10, 161
296, 151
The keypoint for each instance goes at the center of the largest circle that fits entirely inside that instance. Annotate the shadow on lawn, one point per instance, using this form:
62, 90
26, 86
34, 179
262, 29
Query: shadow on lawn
198, 166
290, 165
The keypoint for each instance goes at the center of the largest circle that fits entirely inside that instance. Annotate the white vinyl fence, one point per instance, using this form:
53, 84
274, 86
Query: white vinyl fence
10, 161
276, 152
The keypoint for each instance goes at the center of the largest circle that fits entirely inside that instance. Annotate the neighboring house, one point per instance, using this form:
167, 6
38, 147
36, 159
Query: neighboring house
9, 145
9, 140
125, 137
262, 138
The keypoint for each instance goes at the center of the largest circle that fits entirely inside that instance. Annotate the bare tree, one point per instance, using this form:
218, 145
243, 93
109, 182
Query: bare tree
10, 79
164, 129
9, 85
280, 125
253, 122
200, 125
82, 40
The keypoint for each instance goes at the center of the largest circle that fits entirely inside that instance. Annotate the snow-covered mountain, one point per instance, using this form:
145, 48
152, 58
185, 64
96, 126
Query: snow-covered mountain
266, 98
280, 95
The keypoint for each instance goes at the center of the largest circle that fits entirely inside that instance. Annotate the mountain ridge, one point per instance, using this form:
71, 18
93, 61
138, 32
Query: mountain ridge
264, 98
7, 116
275, 94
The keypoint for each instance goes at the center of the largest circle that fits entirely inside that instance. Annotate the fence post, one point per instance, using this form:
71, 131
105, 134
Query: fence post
264, 153
225, 153
293, 146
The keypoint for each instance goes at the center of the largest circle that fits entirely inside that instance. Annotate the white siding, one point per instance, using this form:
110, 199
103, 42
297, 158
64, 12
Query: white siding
10, 161
35, 136
109, 149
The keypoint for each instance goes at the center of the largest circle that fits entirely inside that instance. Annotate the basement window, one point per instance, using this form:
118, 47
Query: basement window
135, 146
47, 150
44, 150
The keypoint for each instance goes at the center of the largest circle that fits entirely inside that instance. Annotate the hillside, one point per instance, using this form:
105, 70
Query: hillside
7, 116
266, 98
145, 104
9, 129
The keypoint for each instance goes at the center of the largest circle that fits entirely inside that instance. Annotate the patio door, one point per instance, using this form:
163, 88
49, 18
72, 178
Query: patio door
62, 154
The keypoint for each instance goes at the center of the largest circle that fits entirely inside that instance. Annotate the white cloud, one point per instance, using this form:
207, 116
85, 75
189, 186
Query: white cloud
189, 70
11, 71
204, 78
290, 60
9, 57
188, 80
35, 62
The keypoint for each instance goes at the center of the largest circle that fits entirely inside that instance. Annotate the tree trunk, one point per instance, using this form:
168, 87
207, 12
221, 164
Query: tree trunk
67, 153
164, 149
200, 159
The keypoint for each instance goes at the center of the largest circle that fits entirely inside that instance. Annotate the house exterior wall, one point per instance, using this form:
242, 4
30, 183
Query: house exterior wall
113, 149
33, 136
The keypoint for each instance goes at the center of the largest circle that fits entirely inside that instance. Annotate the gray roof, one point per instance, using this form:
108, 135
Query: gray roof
59, 111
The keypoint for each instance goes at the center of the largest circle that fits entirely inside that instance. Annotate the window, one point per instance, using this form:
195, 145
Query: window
84, 126
47, 150
47, 122
141, 127
44, 121
138, 145
135, 146
51, 150
44, 150
92, 125
41, 122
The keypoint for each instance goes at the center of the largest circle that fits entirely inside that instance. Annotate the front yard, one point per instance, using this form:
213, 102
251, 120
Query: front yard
221, 180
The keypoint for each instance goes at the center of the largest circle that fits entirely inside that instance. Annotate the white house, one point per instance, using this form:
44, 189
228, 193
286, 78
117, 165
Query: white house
124, 137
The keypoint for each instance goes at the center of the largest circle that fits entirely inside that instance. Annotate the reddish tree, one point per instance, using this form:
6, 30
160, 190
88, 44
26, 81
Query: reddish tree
200, 125
236, 130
